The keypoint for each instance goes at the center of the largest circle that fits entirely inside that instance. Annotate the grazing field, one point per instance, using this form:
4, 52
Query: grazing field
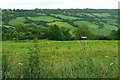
91, 25
110, 27
60, 59
62, 24
104, 15
16, 21
43, 18
87, 14
102, 31
65, 17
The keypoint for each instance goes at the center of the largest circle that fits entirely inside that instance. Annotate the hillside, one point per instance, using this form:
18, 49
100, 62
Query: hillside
100, 21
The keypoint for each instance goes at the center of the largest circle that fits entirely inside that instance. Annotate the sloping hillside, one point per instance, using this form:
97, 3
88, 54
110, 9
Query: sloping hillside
100, 22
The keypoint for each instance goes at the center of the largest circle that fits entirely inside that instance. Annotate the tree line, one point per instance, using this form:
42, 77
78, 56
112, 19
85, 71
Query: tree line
52, 32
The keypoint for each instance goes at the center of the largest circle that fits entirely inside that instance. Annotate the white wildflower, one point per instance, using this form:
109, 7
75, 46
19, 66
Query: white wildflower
20, 63
106, 56
111, 64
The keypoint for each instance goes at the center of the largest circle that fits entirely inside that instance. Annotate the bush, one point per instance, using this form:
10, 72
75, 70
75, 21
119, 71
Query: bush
33, 66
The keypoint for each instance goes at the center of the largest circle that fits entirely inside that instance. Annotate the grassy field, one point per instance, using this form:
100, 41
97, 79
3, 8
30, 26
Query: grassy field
43, 18
60, 59
62, 24
87, 14
65, 17
110, 27
102, 31
91, 25
104, 15
16, 21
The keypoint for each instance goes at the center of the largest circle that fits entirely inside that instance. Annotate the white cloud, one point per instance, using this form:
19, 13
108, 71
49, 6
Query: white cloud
31, 4
97, 4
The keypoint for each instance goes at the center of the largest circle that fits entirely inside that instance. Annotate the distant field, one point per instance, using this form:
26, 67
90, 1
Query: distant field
16, 21
65, 17
111, 21
61, 24
102, 31
91, 25
110, 27
43, 18
64, 59
102, 14
87, 14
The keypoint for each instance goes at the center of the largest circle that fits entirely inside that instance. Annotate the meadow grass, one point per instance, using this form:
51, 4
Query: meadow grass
104, 15
87, 14
62, 24
110, 27
64, 16
91, 25
100, 31
16, 21
61, 59
43, 18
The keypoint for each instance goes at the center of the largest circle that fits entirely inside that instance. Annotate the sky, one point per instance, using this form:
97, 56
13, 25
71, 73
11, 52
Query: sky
62, 4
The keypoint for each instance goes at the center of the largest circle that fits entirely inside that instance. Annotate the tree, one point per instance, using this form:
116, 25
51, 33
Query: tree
55, 33
83, 31
66, 33
118, 33
115, 35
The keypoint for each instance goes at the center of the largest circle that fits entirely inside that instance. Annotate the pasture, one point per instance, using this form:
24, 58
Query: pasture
43, 18
104, 15
102, 31
17, 21
62, 24
91, 25
60, 59
65, 17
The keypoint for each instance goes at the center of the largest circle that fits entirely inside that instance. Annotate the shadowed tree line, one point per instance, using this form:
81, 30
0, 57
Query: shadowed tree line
52, 32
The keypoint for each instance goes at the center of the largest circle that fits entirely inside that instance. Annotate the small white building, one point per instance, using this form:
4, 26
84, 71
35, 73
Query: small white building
84, 37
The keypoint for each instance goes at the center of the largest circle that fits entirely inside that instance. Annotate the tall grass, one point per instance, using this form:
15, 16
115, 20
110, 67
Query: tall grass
52, 59
33, 65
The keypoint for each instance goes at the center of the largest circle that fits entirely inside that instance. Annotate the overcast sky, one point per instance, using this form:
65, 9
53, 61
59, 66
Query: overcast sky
63, 4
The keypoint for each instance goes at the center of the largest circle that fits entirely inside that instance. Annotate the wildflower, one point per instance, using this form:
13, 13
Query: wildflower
45, 60
111, 64
106, 56
52, 57
20, 63
78, 41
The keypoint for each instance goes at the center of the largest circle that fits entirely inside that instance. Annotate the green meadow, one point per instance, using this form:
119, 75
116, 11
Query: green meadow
17, 21
91, 25
60, 59
43, 18
64, 16
62, 24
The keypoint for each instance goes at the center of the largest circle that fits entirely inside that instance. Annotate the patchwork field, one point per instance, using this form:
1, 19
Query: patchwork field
17, 21
43, 18
81, 23
60, 59
98, 20
64, 16
104, 15
62, 24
